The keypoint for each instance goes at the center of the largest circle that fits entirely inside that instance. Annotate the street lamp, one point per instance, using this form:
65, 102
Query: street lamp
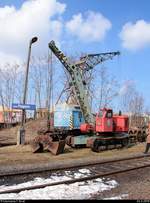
21, 138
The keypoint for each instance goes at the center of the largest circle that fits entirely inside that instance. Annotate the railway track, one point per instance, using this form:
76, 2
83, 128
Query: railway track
96, 170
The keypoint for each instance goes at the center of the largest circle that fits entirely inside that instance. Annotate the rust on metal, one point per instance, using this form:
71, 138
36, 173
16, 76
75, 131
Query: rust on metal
68, 140
45, 142
56, 147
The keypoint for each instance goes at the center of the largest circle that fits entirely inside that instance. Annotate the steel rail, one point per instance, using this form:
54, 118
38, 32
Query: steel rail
90, 177
91, 163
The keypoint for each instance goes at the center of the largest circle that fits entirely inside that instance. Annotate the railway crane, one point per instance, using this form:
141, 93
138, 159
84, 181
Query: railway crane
97, 131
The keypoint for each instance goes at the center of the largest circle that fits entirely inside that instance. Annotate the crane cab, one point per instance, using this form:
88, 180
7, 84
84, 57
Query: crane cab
104, 120
107, 122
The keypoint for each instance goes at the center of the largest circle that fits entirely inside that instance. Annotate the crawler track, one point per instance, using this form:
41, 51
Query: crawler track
97, 170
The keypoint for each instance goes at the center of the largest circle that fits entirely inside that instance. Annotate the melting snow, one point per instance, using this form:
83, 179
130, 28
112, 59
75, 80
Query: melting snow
79, 190
84, 170
116, 197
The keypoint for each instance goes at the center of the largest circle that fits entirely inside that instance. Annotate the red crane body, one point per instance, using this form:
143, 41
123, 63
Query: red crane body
105, 121
111, 123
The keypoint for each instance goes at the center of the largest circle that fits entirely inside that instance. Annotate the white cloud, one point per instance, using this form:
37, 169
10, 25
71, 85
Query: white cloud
91, 27
135, 36
8, 58
126, 87
33, 18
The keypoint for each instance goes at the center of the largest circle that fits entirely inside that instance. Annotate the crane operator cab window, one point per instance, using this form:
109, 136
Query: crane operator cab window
109, 114
101, 114
105, 113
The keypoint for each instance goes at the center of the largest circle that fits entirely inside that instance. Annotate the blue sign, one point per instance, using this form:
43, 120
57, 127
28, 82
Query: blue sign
24, 106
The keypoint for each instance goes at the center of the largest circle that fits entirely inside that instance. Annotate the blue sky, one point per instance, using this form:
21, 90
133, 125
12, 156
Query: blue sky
133, 64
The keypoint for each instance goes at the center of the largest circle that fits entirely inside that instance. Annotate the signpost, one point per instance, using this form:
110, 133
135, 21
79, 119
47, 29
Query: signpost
24, 107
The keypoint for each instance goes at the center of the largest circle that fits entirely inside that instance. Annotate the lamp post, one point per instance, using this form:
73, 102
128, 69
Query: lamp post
21, 137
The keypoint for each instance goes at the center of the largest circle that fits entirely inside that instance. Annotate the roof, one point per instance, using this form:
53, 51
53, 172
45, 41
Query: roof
9, 109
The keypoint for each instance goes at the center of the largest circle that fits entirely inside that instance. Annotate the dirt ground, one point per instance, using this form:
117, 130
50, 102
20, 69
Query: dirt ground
12, 155
133, 185
9, 135
23, 155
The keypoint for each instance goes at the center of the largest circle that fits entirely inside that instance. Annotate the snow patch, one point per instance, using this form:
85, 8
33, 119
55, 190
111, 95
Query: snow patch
78, 190
117, 197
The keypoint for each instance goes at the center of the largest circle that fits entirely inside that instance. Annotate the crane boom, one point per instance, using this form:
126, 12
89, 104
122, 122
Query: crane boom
89, 61
77, 82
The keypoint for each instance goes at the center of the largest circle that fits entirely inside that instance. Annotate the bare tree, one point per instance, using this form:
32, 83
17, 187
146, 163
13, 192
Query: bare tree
9, 77
37, 79
41, 80
105, 88
132, 102
2, 103
136, 104
127, 93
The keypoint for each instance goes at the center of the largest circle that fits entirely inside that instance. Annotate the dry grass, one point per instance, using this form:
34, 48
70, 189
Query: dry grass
12, 155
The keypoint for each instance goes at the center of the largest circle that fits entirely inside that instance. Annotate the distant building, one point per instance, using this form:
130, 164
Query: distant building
9, 116
41, 113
